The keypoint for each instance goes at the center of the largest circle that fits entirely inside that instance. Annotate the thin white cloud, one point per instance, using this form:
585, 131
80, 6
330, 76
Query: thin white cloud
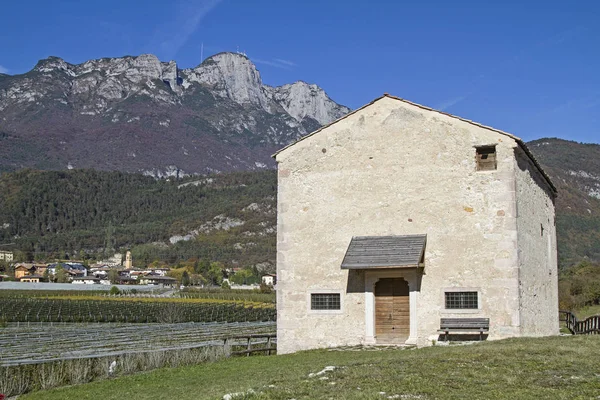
277, 63
285, 62
3, 70
172, 35
450, 103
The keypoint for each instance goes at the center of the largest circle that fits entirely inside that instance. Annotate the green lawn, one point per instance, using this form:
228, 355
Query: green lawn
587, 311
547, 368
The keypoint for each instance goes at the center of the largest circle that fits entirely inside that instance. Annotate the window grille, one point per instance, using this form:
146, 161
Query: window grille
461, 300
325, 301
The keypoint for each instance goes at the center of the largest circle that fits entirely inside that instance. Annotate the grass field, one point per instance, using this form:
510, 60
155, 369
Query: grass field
544, 368
587, 311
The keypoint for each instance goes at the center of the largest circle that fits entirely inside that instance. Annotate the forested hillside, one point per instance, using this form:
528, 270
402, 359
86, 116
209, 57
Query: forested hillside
85, 213
575, 170
226, 217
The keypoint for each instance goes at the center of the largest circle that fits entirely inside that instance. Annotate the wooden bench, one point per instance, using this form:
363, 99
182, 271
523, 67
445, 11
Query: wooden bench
465, 325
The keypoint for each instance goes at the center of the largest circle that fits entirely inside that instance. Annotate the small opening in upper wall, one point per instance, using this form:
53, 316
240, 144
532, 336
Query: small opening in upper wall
542, 229
486, 158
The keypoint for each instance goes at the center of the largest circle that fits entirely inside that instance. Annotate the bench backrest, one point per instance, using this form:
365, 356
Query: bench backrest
465, 323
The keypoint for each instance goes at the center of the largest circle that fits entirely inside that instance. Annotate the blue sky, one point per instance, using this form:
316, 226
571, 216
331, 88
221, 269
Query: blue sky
530, 67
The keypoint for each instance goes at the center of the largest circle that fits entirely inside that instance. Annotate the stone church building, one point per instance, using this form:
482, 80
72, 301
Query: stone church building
396, 216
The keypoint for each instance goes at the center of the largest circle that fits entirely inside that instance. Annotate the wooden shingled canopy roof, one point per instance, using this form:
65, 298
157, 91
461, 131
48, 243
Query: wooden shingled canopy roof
368, 252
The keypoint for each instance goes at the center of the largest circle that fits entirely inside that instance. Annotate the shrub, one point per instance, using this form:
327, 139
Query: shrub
114, 291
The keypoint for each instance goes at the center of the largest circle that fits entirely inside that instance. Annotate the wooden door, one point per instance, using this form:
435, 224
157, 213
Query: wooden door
392, 310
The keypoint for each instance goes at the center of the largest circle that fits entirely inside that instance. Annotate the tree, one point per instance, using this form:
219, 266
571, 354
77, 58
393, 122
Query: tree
264, 288
114, 291
197, 279
241, 277
185, 279
113, 276
202, 266
215, 273
61, 275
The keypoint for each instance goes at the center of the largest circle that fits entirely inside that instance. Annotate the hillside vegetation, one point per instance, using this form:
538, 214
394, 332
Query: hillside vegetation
56, 214
228, 218
575, 170
542, 368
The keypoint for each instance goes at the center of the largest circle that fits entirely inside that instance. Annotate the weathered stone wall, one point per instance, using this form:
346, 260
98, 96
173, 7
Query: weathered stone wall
395, 169
538, 275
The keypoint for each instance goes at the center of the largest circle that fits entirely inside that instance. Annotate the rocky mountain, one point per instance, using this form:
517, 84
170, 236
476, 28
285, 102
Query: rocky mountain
139, 114
575, 170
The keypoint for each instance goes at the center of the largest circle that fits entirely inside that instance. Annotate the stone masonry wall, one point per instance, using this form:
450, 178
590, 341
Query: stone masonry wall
538, 275
393, 168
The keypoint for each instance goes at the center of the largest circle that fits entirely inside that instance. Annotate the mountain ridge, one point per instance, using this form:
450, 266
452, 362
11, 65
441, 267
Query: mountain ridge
140, 114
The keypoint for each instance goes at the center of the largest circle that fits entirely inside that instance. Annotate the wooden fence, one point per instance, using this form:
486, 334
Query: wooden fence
589, 326
256, 343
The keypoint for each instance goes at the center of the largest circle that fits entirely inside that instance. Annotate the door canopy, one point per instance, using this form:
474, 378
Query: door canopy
373, 252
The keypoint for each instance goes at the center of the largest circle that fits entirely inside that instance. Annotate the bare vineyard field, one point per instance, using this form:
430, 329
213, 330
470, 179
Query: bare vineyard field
137, 310
44, 342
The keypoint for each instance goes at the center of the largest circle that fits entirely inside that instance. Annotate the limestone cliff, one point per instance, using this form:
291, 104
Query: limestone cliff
142, 114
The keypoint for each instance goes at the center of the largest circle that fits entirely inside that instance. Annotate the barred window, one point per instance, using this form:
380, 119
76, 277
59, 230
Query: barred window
461, 300
325, 301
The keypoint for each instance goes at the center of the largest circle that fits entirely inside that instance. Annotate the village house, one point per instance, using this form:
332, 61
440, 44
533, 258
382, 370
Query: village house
269, 279
24, 269
397, 219
32, 279
85, 280
155, 280
7, 256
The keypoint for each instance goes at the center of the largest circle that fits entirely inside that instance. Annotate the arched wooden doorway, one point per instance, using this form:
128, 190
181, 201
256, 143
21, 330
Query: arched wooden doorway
392, 310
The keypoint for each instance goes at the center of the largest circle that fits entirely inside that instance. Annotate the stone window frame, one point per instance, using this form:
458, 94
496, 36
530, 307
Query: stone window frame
460, 310
324, 291
478, 152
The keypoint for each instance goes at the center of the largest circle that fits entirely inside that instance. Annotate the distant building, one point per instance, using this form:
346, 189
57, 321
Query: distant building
72, 268
269, 279
24, 269
128, 260
163, 281
86, 280
160, 271
6, 256
114, 261
32, 278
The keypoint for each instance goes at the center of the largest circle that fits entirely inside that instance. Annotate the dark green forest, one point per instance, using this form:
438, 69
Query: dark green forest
90, 214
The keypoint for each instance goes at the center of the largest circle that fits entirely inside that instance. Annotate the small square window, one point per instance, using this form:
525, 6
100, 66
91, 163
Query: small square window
461, 300
486, 158
325, 301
